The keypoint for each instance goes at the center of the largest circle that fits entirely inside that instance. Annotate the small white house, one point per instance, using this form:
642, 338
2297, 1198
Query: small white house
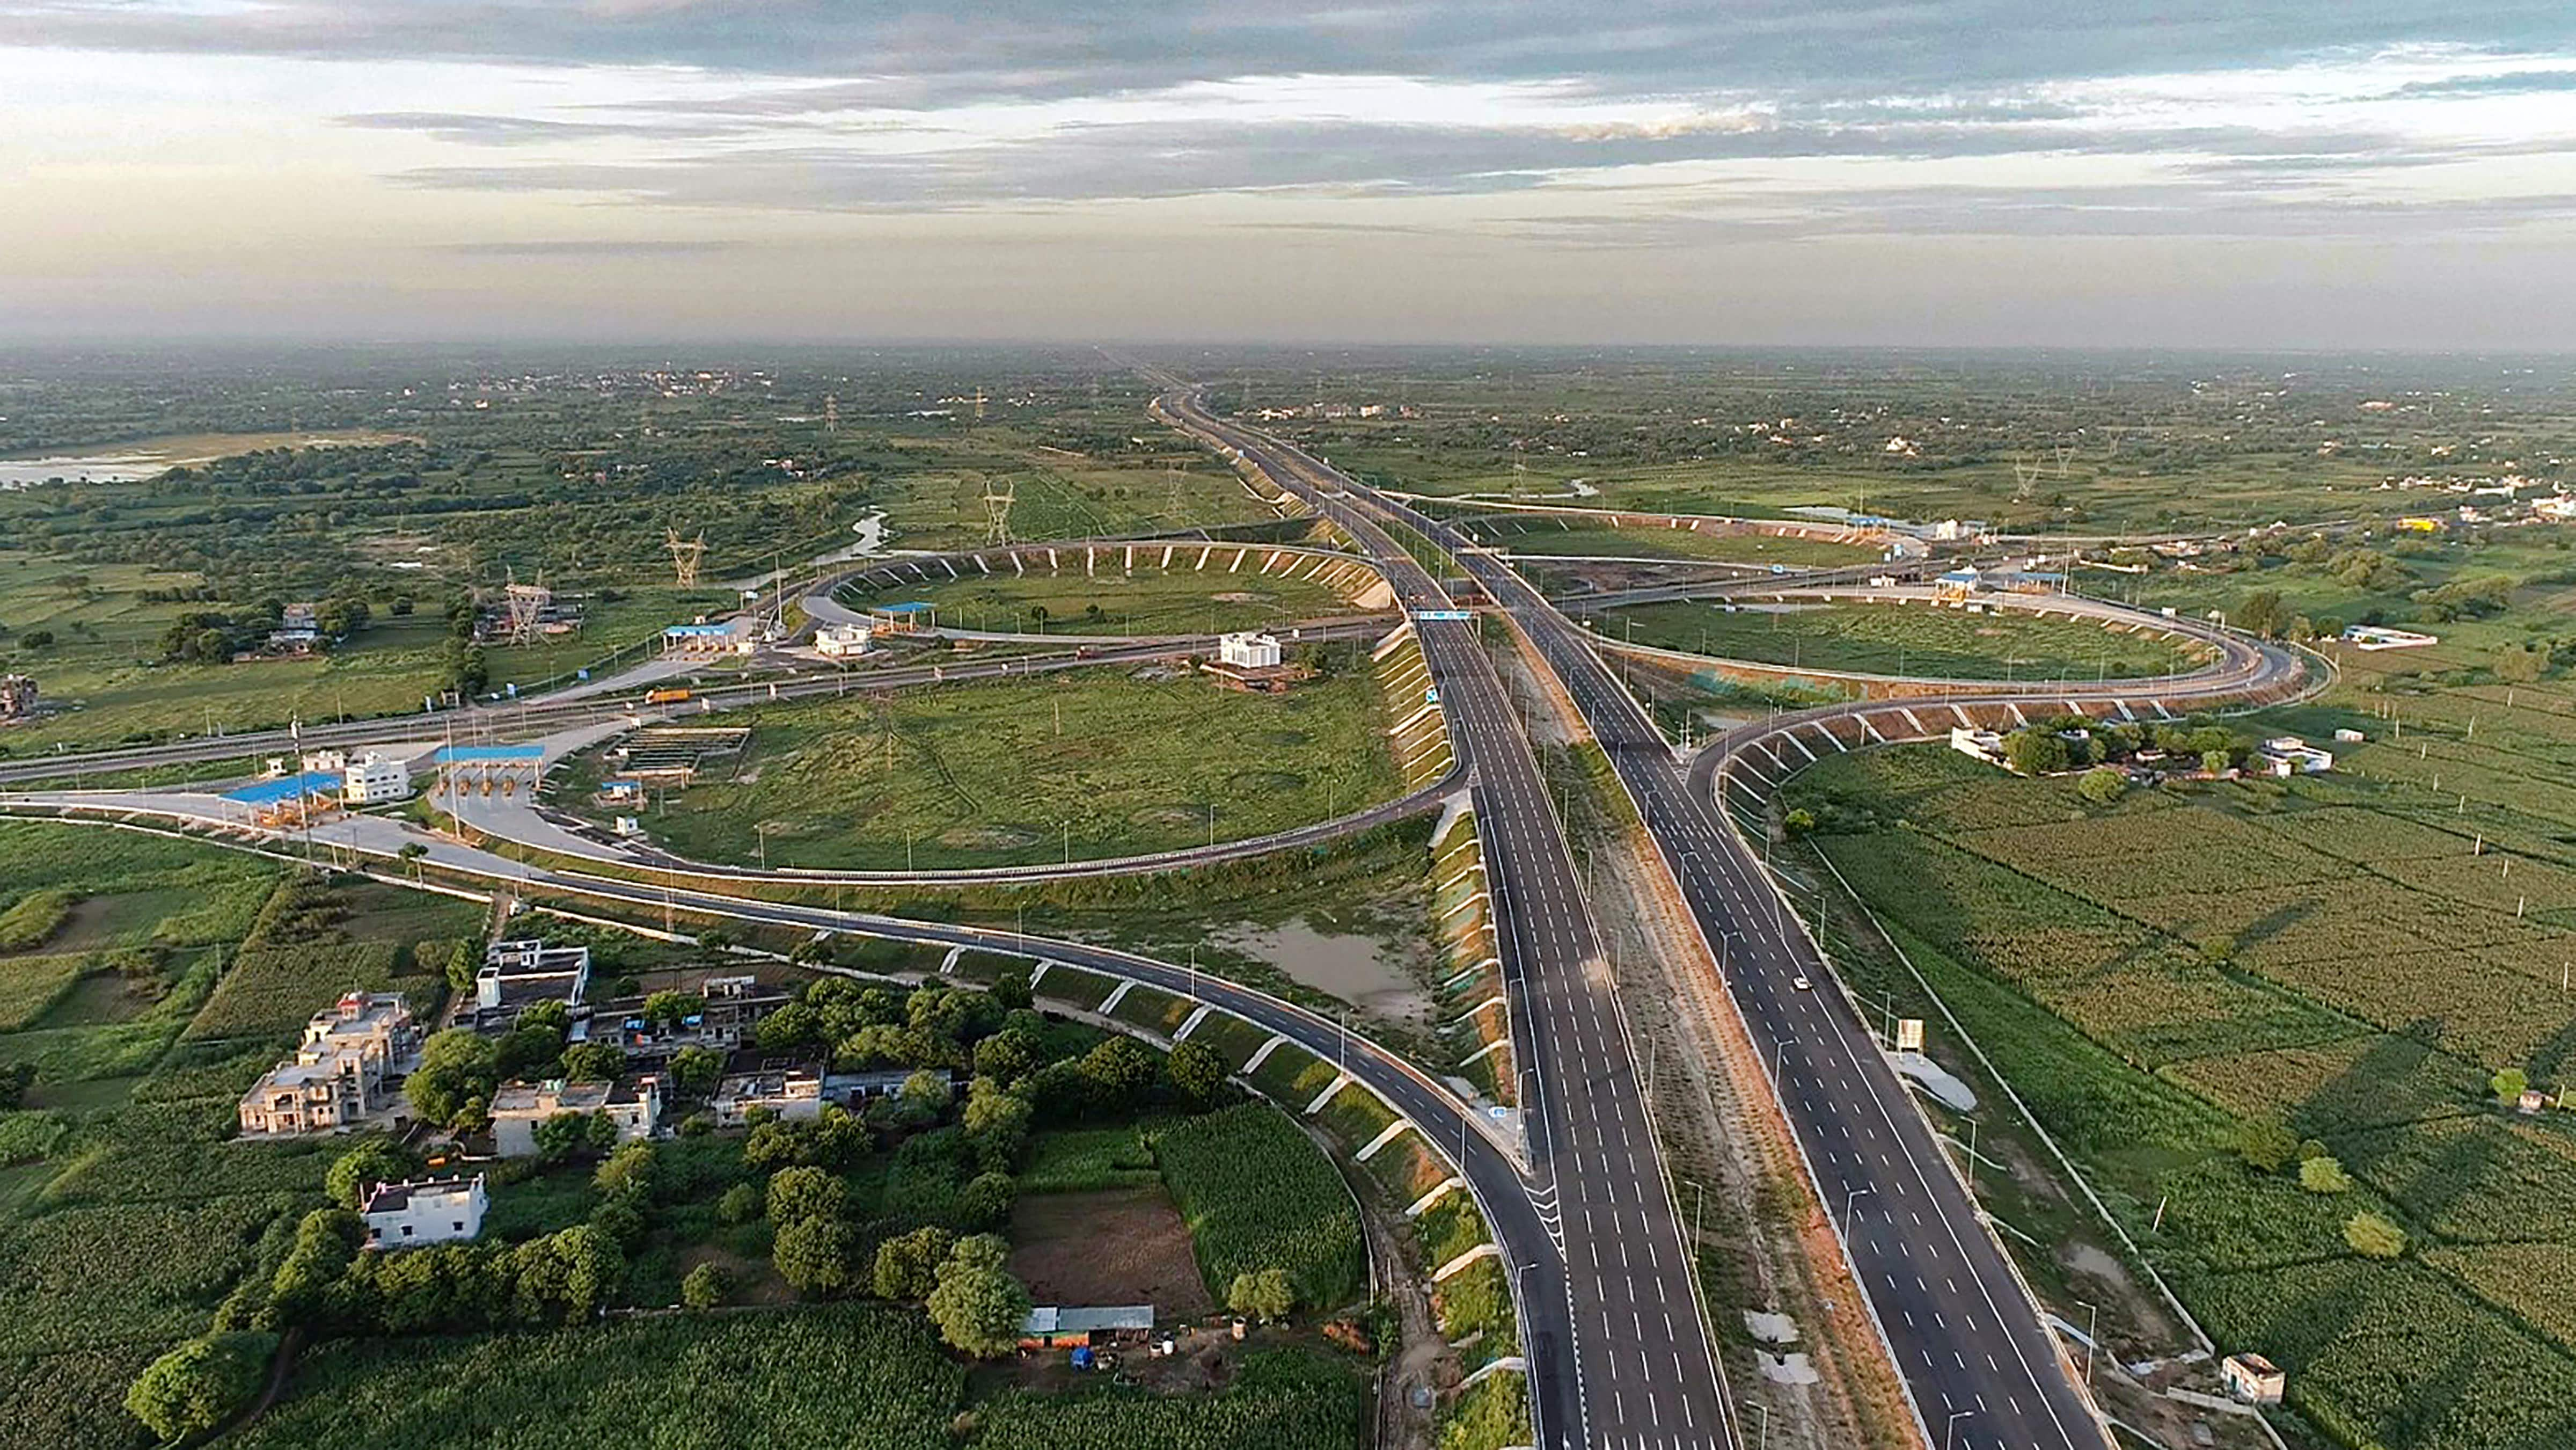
842, 641
372, 779
1248, 651
1983, 745
2288, 755
430, 1211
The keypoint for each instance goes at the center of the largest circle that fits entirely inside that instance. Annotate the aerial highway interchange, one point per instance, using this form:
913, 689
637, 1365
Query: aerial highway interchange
1615, 1333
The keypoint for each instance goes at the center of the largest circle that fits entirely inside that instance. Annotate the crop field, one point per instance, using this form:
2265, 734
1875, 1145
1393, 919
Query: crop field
934, 494
1279, 1400
865, 1377
1903, 639
1560, 536
1150, 601
1088, 764
126, 1213
1258, 1194
106, 656
2336, 954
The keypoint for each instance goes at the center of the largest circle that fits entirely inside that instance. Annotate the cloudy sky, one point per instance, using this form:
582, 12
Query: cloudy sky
2232, 173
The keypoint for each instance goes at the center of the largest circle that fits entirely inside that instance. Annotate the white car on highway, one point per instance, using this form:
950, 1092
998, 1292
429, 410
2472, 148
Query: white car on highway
1801, 983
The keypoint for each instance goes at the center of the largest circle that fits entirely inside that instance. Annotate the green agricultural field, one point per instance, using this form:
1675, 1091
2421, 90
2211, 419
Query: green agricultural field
1149, 601
867, 1377
105, 680
1903, 639
2336, 955
1258, 1194
1094, 763
1553, 537
934, 495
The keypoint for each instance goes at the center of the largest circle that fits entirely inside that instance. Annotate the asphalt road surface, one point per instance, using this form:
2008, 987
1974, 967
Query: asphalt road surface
1619, 1352
1976, 1360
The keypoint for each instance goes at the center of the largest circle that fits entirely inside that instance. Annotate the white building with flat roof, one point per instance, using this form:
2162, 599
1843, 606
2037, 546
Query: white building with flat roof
1248, 651
634, 1104
519, 974
842, 641
430, 1211
372, 779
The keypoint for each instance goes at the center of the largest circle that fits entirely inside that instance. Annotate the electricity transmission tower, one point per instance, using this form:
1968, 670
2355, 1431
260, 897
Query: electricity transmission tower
685, 554
998, 498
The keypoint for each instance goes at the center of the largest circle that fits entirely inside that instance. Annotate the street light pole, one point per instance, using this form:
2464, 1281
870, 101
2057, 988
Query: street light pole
1752, 1403
1847, 1206
1948, 1425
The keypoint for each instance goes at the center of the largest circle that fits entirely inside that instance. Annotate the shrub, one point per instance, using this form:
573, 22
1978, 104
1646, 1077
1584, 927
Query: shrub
2373, 1236
705, 1287
201, 1384
1262, 1294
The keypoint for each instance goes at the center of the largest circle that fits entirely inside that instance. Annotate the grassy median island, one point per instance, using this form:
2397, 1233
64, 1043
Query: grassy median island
1105, 763
1910, 639
1178, 600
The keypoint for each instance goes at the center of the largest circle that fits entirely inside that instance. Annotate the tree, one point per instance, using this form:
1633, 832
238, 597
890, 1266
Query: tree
978, 1306
996, 1123
578, 1268
15, 1079
985, 1201
2036, 750
454, 1065
802, 1193
594, 1062
1010, 991
2262, 613
468, 673
2216, 761
1264, 1294
325, 1242
907, 1265
627, 1170
2509, 1084
795, 1025
1120, 1073
1197, 1072
695, 1070
1010, 1055
2103, 786
2373, 1236
704, 1287
740, 1204
372, 1161
927, 1090
2322, 1174
528, 1051
672, 1007
814, 1255
201, 1384
562, 1135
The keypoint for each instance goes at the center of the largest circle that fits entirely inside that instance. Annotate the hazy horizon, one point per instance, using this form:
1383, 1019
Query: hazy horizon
2261, 178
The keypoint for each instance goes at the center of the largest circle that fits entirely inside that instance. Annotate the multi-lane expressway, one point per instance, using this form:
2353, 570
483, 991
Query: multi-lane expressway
1968, 1342
1619, 1350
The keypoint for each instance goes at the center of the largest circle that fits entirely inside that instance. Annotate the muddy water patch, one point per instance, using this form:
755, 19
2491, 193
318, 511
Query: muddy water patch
1361, 970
